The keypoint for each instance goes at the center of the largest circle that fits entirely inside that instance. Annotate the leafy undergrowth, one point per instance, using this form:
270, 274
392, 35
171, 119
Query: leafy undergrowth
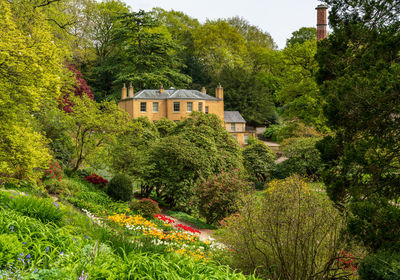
55, 240
189, 219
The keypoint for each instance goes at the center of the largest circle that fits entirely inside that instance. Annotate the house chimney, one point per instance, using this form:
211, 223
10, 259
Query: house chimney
123, 92
321, 21
219, 92
203, 90
130, 90
161, 89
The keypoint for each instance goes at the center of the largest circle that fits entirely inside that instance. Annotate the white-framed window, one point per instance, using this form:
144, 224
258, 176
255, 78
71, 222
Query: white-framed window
234, 136
155, 107
206, 109
177, 107
200, 106
189, 106
142, 106
233, 127
245, 138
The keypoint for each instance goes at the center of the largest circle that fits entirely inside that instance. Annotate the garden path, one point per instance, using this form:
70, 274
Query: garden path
275, 147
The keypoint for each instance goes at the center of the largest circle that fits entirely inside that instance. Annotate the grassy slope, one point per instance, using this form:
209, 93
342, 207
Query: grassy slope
63, 243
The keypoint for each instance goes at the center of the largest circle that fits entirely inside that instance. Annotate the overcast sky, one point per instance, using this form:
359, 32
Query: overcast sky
278, 17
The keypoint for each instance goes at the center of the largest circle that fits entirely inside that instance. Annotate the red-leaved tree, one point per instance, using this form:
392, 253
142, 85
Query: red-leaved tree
80, 88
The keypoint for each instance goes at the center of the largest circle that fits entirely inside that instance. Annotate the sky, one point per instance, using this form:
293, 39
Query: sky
277, 17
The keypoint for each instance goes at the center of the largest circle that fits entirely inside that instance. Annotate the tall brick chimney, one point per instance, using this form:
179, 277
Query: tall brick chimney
321, 21
130, 92
123, 92
219, 92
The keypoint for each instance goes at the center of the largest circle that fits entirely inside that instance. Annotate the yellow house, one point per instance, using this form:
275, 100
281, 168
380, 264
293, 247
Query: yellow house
178, 104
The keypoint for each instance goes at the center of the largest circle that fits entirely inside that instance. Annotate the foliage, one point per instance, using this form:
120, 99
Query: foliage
217, 196
31, 73
149, 56
66, 187
54, 171
289, 232
259, 161
359, 66
290, 129
148, 207
80, 88
373, 222
303, 157
93, 125
164, 126
299, 93
42, 209
120, 187
244, 92
197, 146
97, 180
302, 35
10, 248
383, 265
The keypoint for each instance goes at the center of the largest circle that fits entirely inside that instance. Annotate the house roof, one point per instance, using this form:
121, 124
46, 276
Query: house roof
233, 117
173, 94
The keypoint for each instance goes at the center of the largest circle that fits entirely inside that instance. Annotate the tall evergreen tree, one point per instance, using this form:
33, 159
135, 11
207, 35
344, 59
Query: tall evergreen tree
359, 76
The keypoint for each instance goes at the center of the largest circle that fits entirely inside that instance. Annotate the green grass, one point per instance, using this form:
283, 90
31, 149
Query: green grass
48, 240
189, 219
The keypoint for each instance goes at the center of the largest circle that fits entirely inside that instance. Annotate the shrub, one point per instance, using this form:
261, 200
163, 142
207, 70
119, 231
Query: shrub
303, 157
217, 195
288, 232
383, 266
292, 129
54, 171
64, 187
259, 161
120, 187
148, 207
97, 180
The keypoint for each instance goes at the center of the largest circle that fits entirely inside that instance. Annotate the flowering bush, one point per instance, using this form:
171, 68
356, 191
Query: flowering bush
217, 195
97, 180
148, 207
54, 171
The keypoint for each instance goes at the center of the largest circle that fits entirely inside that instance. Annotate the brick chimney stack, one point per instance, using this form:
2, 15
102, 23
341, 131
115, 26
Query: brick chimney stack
219, 92
203, 90
130, 92
321, 21
123, 92
161, 89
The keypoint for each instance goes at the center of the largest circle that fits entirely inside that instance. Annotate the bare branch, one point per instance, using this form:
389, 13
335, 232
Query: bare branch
46, 3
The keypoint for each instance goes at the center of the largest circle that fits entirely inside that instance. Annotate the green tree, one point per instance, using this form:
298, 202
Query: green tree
245, 93
298, 92
302, 35
303, 157
359, 70
30, 74
219, 44
149, 55
93, 125
259, 161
